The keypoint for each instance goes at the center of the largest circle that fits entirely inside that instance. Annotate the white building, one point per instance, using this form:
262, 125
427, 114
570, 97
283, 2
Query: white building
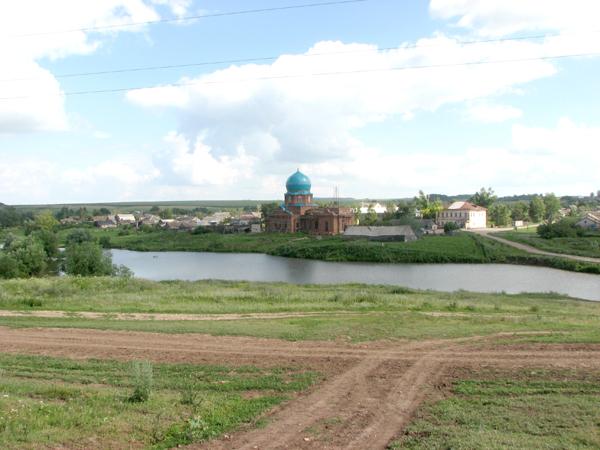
377, 207
464, 214
124, 219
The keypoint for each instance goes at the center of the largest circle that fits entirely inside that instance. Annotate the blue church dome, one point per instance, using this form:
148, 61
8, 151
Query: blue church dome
298, 184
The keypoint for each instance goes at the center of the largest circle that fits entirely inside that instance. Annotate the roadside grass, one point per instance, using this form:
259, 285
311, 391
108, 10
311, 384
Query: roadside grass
581, 246
348, 312
517, 410
459, 248
55, 402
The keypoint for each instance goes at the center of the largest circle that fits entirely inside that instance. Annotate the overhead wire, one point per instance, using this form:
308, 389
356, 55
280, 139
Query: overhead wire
273, 58
191, 18
317, 74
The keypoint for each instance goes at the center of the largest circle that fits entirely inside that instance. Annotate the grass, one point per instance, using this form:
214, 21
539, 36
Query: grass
350, 312
460, 248
581, 246
54, 402
523, 410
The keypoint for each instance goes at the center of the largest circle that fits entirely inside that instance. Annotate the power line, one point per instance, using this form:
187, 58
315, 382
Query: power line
272, 58
196, 17
317, 74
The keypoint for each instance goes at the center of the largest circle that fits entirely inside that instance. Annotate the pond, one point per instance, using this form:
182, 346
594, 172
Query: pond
439, 277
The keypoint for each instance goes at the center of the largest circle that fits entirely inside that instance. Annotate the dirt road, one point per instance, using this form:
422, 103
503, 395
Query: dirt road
533, 250
370, 393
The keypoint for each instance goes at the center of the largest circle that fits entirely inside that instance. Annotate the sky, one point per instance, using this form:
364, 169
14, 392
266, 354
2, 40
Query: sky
379, 98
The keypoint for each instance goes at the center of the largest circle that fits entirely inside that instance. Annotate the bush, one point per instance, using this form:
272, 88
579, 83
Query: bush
104, 242
87, 259
566, 227
142, 380
79, 236
30, 256
9, 266
449, 227
49, 241
202, 230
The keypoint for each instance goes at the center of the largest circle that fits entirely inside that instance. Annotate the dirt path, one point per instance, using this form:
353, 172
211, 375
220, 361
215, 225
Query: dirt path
371, 390
537, 251
169, 316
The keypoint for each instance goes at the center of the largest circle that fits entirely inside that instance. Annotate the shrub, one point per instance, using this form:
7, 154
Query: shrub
104, 242
30, 256
87, 259
566, 227
449, 227
9, 266
79, 236
142, 380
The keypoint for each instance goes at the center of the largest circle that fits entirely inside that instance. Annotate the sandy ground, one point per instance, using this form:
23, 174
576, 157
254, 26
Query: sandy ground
370, 393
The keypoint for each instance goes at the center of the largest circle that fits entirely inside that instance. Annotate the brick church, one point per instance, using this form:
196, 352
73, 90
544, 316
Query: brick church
298, 212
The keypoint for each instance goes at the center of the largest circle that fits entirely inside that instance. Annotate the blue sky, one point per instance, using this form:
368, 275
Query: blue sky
223, 131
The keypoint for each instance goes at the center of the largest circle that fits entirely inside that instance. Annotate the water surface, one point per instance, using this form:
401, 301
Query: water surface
439, 277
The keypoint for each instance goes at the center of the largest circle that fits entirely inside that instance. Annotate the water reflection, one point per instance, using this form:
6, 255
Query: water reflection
439, 277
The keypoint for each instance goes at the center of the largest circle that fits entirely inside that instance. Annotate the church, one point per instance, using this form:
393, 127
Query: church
299, 213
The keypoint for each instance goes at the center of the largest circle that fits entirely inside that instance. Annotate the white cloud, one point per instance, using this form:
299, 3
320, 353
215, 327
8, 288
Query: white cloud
300, 119
492, 113
503, 17
197, 165
177, 7
28, 35
26, 180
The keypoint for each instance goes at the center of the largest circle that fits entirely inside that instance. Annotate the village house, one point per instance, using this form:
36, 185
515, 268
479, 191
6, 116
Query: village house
125, 219
464, 214
104, 222
149, 220
299, 213
591, 221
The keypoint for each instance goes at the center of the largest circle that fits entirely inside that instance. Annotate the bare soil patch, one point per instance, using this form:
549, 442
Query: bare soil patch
371, 390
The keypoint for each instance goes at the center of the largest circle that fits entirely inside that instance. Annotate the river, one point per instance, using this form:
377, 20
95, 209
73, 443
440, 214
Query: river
439, 277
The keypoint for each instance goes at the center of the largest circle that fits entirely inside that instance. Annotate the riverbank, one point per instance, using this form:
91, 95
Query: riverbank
585, 246
406, 360
292, 312
460, 248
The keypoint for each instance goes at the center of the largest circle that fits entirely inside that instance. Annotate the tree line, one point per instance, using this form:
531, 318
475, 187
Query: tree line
37, 253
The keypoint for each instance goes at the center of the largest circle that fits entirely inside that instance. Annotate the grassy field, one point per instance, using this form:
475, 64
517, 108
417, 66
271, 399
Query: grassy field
522, 410
460, 248
349, 312
582, 246
52, 402
49, 402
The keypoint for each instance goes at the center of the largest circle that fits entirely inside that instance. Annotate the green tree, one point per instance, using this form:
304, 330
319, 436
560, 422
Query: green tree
370, 218
500, 214
429, 208
30, 256
79, 236
520, 211
45, 221
267, 209
552, 206
49, 241
485, 197
10, 217
166, 213
406, 208
87, 259
9, 266
537, 209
